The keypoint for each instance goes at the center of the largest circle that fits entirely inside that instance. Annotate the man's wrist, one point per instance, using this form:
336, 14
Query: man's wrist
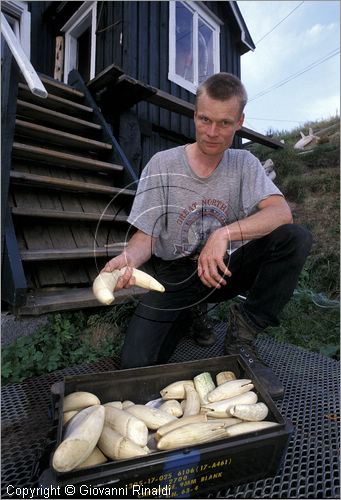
224, 234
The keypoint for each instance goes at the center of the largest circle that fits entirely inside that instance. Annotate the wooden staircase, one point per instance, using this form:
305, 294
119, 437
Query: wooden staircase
69, 197
70, 187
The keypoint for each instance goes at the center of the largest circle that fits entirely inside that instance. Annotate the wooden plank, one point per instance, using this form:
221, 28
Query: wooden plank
104, 78
54, 102
61, 88
62, 159
85, 176
128, 92
143, 47
73, 274
130, 138
71, 253
55, 214
154, 69
23, 199
62, 237
44, 181
40, 302
45, 115
109, 235
171, 103
58, 136
83, 234
36, 236
247, 133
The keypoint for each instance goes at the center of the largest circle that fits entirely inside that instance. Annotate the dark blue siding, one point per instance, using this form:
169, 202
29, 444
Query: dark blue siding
134, 36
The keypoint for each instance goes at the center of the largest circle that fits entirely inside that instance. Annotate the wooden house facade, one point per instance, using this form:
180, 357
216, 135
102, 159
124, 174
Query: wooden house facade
121, 79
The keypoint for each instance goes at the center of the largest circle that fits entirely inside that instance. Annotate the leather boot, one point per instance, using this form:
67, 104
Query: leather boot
240, 339
200, 328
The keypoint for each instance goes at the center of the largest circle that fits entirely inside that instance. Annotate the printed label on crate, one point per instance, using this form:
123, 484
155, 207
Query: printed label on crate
180, 478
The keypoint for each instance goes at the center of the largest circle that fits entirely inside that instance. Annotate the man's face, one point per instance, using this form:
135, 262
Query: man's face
216, 122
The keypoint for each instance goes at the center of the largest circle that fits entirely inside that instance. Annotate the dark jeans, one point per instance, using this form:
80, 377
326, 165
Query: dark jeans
266, 270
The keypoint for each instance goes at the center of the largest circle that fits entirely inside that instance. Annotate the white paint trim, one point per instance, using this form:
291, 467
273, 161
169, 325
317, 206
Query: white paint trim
243, 36
211, 14
195, 48
171, 41
84, 17
186, 84
22, 29
212, 22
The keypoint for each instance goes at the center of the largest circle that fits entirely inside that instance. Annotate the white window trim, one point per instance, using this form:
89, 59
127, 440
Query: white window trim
22, 27
73, 28
214, 24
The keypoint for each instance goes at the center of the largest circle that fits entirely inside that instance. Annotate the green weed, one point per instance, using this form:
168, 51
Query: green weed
67, 339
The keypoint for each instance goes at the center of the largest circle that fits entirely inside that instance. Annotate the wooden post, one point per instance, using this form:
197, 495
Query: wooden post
59, 59
9, 91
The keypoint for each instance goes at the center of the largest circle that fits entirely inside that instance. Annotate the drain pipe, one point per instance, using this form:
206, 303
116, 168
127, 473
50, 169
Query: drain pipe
28, 71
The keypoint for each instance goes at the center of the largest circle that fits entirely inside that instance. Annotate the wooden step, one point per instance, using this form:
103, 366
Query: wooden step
33, 130
62, 215
54, 118
49, 254
45, 181
62, 159
41, 301
53, 101
61, 89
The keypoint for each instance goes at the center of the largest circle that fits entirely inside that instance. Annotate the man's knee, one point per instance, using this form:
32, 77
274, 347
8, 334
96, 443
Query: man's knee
296, 236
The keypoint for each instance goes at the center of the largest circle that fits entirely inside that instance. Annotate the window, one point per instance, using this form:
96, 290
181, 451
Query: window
193, 44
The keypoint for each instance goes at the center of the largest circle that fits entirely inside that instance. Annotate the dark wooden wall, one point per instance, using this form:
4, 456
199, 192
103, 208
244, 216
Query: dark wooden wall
42, 39
134, 36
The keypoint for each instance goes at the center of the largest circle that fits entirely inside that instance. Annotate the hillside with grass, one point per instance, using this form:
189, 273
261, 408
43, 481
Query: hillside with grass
310, 180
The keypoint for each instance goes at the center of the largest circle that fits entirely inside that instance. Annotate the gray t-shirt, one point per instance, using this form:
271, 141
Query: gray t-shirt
181, 209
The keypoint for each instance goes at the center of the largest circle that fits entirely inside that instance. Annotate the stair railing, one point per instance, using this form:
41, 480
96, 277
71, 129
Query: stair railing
32, 79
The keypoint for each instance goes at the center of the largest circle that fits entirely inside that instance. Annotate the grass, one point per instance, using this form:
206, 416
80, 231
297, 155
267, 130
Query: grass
308, 325
311, 184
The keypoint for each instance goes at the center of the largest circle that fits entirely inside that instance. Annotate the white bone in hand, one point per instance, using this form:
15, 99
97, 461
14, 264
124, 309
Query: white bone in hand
104, 285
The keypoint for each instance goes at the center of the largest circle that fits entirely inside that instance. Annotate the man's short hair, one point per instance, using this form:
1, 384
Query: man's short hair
223, 86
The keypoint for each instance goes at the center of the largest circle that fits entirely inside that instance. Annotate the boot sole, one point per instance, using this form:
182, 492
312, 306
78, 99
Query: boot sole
273, 395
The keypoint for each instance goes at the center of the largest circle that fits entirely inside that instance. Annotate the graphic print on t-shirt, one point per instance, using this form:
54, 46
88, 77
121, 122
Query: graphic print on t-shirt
197, 222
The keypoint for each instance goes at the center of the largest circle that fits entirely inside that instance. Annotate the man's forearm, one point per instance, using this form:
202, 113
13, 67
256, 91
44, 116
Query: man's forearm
257, 225
139, 249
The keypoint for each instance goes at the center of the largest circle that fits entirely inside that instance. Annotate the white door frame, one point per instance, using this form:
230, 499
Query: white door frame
84, 17
22, 24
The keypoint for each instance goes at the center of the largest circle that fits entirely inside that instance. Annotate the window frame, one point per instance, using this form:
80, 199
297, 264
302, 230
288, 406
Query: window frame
213, 23
20, 22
